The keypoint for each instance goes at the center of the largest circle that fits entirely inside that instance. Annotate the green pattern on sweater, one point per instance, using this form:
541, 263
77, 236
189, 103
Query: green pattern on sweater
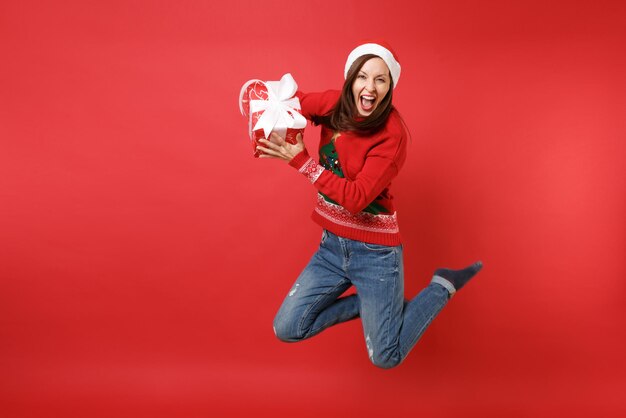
329, 159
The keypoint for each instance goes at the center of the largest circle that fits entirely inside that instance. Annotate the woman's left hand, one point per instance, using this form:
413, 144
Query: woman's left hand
277, 147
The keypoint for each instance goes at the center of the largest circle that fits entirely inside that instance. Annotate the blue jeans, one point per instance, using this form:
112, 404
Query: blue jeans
391, 325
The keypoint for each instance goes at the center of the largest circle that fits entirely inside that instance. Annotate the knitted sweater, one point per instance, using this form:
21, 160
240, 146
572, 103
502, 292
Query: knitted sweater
353, 175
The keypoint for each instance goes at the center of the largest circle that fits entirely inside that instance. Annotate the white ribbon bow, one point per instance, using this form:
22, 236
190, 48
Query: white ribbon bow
280, 110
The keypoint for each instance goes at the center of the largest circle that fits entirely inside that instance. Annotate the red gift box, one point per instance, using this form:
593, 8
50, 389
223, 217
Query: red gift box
271, 107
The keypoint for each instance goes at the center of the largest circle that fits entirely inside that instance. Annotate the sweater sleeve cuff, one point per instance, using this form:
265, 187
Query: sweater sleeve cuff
300, 159
307, 166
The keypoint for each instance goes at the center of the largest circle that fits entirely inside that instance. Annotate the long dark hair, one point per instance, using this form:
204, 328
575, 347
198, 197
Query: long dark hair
344, 116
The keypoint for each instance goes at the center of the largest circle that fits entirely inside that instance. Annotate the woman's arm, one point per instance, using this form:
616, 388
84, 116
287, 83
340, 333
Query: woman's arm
354, 195
380, 167
317, 103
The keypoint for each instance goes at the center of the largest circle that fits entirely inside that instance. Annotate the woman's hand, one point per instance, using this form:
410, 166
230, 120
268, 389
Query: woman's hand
277, 147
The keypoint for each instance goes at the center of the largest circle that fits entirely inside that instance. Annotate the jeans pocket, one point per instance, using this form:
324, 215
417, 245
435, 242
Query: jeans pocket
377, 247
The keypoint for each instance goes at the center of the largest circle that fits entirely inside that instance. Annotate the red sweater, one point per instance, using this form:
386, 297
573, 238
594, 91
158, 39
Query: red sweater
353, 175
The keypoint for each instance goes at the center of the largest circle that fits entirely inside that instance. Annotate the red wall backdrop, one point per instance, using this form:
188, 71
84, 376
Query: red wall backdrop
144, 252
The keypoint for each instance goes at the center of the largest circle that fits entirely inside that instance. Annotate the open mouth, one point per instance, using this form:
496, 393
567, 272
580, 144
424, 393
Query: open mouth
367, 102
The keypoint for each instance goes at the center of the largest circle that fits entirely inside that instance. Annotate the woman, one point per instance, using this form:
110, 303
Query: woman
362, 148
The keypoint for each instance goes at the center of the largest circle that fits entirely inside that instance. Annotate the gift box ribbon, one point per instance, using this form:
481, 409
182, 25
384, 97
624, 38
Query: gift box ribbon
281, 108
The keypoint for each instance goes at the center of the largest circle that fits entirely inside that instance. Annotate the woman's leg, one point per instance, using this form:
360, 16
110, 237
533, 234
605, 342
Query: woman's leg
313, 303
377, 273
392, 326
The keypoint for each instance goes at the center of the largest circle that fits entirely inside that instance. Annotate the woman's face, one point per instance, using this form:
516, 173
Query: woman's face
371, 85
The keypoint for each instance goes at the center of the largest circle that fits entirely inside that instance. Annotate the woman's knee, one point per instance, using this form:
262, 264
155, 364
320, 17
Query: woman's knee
284, 329
387, 361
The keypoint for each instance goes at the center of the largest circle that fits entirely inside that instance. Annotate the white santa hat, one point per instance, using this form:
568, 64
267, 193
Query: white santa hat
380, 49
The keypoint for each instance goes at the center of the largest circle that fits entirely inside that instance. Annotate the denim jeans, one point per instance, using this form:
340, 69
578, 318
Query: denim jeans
391, 325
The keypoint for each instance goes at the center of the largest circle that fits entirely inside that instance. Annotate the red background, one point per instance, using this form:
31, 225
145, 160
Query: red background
144, 252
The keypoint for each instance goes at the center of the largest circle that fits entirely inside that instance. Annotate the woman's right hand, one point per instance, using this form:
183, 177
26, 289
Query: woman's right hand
278, 148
